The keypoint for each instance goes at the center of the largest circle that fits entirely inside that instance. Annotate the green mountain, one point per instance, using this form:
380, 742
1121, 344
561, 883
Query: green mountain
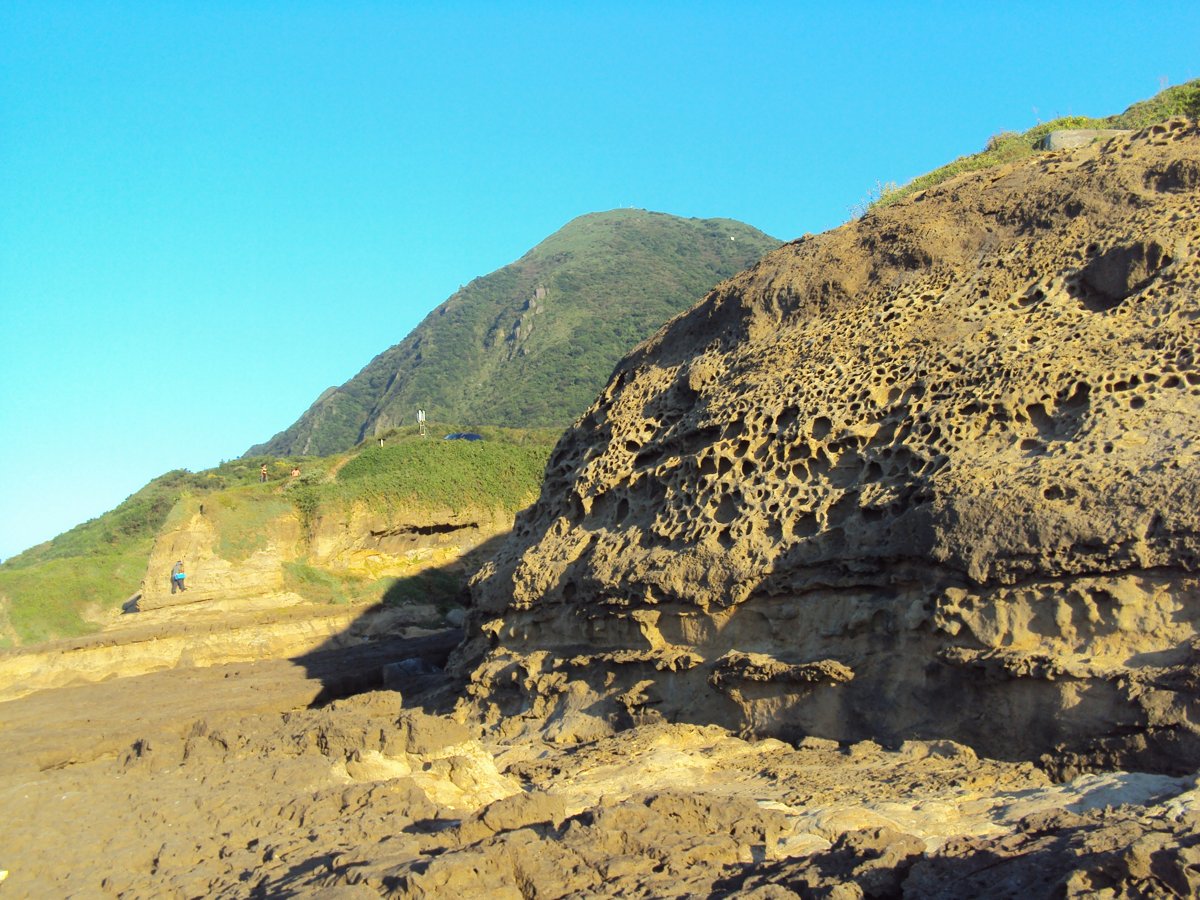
533, 343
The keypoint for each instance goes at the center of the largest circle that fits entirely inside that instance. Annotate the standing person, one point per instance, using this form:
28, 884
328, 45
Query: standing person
177, 576
262, 473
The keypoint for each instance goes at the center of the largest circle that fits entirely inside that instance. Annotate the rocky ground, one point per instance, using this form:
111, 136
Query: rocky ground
244, 779
927, 480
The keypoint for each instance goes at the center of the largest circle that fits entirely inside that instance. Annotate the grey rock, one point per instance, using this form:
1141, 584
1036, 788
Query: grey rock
1070, 138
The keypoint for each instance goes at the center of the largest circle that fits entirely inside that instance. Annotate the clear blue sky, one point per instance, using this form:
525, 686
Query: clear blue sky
211, 211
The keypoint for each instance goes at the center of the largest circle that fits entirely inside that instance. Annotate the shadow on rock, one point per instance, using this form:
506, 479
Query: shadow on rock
391, 645
411, 666
1051, 855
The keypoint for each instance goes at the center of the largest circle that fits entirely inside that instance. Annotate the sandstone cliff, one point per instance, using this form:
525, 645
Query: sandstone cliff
242, 552
240, 560
933, 474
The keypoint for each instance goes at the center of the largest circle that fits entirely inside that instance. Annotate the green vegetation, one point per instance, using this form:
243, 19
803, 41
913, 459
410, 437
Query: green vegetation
532, 344
412, 472
439, 587
437, 474
1009, 146
49, 600
322, 586
241, 516
55, 589
48, 591
1180, 100
140, 516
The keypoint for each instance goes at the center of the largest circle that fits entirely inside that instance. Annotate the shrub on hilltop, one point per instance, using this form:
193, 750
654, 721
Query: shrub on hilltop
1010, 146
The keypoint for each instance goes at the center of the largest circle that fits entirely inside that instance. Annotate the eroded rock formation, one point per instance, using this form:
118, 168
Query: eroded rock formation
218, 782
241, 563
933, 474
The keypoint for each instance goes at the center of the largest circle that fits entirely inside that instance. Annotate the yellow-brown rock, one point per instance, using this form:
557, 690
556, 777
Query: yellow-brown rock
948, 451
237, 561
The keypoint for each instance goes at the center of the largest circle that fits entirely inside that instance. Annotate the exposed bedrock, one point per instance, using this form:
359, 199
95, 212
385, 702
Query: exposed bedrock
932, 474
235, 565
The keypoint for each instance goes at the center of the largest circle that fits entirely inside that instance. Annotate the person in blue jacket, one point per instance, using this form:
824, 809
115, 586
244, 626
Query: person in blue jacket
177, 577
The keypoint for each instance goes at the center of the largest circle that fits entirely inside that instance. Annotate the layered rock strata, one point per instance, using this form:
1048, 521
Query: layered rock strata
933, 474
239, 566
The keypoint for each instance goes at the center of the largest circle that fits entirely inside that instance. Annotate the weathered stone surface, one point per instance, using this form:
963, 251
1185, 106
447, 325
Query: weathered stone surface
951, 446
355, 542
223, 781
214, 575
1071, 138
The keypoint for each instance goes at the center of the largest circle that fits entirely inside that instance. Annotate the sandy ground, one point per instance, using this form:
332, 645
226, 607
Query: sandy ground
248, 780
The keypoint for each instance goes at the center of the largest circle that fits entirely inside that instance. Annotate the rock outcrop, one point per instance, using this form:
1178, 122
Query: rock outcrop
1070, 138
933, 474
221, 571
239, 561
225, 782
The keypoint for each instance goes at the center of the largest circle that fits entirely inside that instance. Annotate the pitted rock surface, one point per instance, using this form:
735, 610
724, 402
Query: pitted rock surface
950, 448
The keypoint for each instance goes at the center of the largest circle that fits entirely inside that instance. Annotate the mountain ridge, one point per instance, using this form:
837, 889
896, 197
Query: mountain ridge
531, 343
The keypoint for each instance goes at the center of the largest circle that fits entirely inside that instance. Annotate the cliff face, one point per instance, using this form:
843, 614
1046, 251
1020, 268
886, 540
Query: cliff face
931, 474
239, 561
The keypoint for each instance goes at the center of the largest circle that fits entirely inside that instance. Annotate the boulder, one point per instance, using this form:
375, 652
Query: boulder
1070, 138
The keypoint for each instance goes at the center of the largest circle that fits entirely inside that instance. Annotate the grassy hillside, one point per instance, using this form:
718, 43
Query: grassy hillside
62, 587
49, 590
533, 343
1008, 146
410, 472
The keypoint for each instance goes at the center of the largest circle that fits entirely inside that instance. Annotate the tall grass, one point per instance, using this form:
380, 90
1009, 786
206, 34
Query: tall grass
409, 472
49, 600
